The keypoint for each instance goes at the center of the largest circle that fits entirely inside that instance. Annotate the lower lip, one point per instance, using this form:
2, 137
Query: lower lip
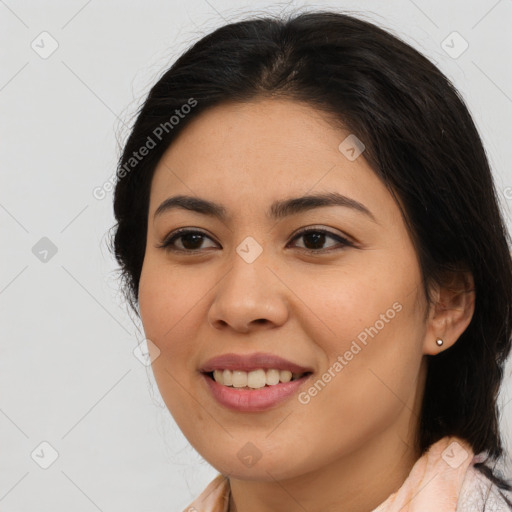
247, 400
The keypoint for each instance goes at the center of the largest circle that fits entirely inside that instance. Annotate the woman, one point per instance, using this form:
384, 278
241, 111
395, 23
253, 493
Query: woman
308, 228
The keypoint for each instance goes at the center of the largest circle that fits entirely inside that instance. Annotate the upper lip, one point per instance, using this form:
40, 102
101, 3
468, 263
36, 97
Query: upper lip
249, 362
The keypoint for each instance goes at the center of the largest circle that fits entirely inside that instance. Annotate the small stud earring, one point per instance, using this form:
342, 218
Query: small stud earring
439, 342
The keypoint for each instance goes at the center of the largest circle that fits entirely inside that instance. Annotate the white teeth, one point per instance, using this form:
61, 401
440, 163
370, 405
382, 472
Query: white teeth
255, 379
227, 378
272, 377
239, 379
285, 376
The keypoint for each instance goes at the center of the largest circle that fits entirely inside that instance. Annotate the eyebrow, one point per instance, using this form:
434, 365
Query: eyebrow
278, 210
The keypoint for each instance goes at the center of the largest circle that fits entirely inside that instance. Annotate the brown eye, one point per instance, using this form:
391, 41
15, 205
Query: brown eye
315, 238
191, 240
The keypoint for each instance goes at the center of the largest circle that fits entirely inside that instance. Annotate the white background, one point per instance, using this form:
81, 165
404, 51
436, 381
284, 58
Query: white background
68, 375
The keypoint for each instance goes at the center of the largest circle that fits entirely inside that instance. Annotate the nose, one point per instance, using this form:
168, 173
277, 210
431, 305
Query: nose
250, 296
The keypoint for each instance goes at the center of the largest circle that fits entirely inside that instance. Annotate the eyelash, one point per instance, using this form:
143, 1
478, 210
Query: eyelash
167, 243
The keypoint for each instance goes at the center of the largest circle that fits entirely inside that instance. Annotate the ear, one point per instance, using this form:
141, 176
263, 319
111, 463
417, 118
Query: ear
451, 312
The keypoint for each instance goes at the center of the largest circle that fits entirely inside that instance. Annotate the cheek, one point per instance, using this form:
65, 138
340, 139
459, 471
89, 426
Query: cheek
366, 385
372, 336
169, 312
169, 309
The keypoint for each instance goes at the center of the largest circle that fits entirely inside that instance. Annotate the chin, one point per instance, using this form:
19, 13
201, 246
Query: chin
268, 468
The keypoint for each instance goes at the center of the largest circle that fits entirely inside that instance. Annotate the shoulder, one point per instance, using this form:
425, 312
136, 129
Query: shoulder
479, 493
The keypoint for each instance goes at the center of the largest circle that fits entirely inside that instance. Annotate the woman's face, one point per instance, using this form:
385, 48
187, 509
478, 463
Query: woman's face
351, 313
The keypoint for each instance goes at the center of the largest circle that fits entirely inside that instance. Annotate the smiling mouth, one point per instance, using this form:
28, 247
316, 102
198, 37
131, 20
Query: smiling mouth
256, 379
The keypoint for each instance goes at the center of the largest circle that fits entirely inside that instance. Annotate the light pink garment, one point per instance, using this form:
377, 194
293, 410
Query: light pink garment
437, 480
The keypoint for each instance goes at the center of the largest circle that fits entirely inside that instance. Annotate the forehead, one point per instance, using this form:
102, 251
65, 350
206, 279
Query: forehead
251, 152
